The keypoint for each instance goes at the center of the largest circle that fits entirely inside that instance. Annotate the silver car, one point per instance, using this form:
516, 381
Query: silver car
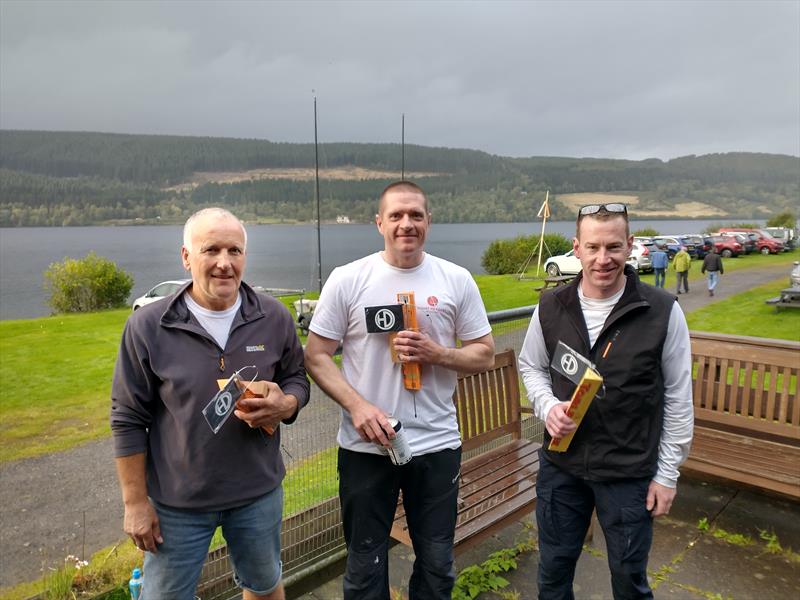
641, 255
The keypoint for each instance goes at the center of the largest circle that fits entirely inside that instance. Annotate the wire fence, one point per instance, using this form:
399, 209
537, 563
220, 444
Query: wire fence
312, 537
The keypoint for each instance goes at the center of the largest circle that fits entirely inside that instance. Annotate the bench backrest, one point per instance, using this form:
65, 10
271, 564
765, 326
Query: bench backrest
487, 403
747, 383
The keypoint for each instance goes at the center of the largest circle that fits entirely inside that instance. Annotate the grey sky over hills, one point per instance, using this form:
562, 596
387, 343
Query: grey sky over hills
604, 79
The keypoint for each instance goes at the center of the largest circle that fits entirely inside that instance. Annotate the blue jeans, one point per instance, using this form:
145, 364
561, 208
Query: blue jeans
713, 279
661, 277
252, 533
563, 510
369, 485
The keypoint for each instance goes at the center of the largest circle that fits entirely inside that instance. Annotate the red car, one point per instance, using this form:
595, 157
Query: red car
765, 243
727, 246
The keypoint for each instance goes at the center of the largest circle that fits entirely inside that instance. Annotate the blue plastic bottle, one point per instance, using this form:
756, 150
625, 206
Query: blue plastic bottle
135, 584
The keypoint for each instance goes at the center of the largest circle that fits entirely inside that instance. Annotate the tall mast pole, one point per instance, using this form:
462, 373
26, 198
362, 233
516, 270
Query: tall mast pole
403, 148
316, 179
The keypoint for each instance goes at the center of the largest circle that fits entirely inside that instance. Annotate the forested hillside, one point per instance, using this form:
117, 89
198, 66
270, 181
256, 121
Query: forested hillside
65, 178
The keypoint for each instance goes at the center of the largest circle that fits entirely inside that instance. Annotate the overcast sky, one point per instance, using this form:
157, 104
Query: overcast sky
605, 79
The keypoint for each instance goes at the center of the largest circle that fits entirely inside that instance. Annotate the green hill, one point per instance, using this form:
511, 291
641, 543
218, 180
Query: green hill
80, 178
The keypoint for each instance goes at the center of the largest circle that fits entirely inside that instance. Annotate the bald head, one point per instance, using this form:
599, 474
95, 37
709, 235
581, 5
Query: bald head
212, 213
401, 186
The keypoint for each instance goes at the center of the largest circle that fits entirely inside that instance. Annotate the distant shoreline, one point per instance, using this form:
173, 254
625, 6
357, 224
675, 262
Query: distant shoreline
158, 222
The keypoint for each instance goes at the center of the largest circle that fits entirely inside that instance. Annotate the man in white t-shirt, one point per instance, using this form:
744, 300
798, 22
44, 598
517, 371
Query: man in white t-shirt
370, 388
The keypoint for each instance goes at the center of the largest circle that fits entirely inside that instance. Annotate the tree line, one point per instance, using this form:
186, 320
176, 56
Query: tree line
66, 178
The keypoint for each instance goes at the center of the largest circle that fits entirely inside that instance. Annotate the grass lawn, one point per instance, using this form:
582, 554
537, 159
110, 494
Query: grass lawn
55, 372
55, 380
748, 314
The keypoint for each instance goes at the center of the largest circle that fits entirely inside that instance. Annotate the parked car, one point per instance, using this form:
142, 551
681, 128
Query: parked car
748, 241
727, 246
786, 235
569, 264
563, 264
162, 290
765, 243
641, 254
696, 245
670, 245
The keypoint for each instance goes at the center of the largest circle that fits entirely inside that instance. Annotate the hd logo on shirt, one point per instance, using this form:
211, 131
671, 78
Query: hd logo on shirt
257, 348
383, 319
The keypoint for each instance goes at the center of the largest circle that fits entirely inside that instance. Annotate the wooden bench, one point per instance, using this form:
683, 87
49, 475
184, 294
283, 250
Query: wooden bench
789, 298
747, 411
555, 281
498, 484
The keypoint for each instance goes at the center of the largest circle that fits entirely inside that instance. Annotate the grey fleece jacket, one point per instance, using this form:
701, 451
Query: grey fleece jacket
166, 373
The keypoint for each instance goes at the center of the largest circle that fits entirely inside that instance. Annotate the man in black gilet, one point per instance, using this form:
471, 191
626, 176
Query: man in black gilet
623, 459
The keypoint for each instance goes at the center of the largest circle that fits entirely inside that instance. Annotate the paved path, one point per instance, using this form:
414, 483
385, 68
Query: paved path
69, 502
685, 562
729, 285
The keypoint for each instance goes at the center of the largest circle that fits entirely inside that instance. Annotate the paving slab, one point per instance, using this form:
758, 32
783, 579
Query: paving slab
686, 563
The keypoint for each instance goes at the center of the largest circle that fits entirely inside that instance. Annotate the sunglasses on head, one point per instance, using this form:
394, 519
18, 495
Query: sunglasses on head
613, 207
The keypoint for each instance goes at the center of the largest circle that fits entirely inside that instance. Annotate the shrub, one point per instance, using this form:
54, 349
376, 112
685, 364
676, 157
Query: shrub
86, 284
646, 232
509, 256
784, 219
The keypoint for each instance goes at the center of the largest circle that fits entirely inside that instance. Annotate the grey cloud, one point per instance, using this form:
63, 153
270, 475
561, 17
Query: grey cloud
622, 79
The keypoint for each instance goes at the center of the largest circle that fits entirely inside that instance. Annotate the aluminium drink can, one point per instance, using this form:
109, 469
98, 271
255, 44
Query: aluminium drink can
400, 452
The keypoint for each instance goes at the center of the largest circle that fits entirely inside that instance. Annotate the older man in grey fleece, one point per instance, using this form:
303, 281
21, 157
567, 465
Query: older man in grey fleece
183, 466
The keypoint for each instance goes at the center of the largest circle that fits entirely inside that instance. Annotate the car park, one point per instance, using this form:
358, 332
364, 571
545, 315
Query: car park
159, 291
765, 243
727, 246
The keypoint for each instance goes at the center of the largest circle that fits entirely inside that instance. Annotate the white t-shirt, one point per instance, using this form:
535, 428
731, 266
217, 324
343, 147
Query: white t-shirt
216, 322
449, 307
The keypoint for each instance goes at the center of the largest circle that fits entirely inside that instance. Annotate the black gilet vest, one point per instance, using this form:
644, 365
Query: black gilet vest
620, 434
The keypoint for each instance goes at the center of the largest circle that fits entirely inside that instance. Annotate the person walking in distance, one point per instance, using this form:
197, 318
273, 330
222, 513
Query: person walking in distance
660, 261
712, 266
623, 459
682, 262
371, 388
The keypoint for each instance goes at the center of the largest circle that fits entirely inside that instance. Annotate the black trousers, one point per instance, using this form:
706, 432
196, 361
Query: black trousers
563, 509
369, 485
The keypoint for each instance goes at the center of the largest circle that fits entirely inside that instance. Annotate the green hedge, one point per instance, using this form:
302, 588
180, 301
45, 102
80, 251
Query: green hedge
509, 256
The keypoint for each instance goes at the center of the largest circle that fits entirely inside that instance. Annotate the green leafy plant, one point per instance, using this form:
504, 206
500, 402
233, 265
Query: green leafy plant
86, 284
509, 256
773, 545
59, 583
647, 232
784, 219
476, 579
